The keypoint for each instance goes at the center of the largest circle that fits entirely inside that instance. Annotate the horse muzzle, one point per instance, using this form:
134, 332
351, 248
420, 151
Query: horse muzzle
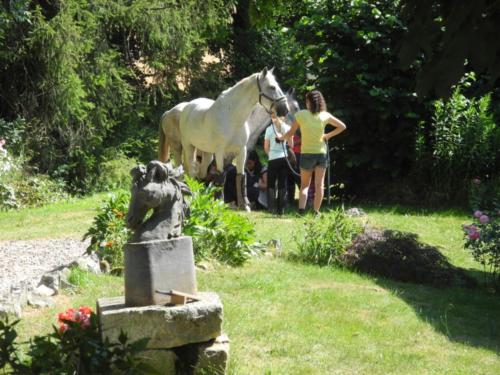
282, 108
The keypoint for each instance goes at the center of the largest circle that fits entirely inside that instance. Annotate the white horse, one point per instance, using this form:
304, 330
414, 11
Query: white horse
220, 127
170, 136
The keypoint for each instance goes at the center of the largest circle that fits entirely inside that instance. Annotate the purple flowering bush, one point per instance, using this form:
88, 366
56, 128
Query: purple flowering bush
482, 238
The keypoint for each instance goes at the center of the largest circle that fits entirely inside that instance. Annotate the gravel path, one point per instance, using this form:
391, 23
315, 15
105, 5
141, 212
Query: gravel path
27, 261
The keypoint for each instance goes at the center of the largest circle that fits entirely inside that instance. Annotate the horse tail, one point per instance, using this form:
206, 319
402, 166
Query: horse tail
164, 148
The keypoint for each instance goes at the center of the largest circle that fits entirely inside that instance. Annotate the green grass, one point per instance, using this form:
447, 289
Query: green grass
290, 318
61, 220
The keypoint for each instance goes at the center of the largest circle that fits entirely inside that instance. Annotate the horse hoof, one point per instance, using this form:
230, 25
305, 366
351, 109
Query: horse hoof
247, 208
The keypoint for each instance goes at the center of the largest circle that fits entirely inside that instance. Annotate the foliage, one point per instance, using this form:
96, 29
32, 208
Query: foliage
401, 256
20, 188
73, 348
324, 239
115, 173
462, 142
482, 239
87, 76
347, 50
108, 232
13, 133
484, 192
452, 37
217, 231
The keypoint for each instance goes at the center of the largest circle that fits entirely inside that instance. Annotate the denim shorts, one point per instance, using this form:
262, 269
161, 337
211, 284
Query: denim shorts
310, 161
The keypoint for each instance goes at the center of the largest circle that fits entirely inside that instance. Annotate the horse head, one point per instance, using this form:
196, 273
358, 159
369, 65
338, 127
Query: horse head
293, 104
152, 188
271, 92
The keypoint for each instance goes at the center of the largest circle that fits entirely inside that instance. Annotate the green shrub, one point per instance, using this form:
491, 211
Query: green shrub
324, 239
460, 143
217, 231
20, 188
75, 347
115, 173
482, 239
109, 233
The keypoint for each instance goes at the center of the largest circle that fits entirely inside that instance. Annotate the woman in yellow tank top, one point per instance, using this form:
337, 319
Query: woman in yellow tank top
312, 123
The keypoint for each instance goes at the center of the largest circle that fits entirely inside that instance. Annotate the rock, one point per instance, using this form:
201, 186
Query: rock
51, 280
213, 357
162, 360
10, 308
354, 211
166, 326
88, 263
40, 302
44, 291
158, 266
19, 294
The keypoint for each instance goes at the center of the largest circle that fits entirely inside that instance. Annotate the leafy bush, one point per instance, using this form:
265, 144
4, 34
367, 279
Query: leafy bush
109, 233
484, 193
324, 239
73, 348
20, 188
115, 173
400, 256
482, 238
217, 231
461, 142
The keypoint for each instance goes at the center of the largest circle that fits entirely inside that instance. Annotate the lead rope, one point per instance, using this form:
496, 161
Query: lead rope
285, 152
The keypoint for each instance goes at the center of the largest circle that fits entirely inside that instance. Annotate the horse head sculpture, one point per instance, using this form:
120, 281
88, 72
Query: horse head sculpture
156, 187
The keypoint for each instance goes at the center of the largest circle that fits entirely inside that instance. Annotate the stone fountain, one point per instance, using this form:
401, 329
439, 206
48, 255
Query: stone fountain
161, 299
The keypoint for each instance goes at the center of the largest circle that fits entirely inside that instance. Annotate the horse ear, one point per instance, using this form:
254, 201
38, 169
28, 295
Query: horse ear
291, 91
263, 74
271, 70
137, 172
157, 171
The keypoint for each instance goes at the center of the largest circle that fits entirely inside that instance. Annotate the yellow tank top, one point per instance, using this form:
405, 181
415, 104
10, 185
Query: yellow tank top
312, 128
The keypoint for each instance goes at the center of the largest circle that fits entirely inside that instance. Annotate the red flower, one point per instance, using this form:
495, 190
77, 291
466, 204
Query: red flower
80, 316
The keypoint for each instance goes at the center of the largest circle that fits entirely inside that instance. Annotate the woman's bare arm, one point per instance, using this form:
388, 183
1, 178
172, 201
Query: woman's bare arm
337, 124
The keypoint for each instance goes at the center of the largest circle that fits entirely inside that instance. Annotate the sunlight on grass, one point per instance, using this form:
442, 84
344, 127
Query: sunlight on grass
289, 318
61, 220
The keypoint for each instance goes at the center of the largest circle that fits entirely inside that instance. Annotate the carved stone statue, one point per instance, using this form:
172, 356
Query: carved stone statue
156, 187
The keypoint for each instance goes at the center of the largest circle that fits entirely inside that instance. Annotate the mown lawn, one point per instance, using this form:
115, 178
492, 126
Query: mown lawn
289, 318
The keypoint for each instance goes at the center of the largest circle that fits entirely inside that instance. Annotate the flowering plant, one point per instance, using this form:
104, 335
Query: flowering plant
75, 318
75, 347
482, 238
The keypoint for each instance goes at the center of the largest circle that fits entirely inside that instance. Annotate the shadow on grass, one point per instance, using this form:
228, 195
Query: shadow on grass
467, 316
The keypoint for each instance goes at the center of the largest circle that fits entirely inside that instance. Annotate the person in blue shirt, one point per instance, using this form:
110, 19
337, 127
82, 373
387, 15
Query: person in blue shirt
277, 168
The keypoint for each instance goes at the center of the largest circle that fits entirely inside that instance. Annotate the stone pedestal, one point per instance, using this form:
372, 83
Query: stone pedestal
158, 266
183, 339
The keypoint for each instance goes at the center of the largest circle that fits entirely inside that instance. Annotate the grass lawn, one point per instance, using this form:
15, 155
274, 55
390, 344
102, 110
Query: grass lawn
289, 318
61, 220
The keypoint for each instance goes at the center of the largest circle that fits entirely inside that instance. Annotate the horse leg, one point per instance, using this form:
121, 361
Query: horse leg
241, 184
177, 154
206, 159
188, 151
163, 152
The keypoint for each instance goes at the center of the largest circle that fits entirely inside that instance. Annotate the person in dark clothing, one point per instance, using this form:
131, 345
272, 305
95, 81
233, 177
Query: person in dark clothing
252, 170
277, 168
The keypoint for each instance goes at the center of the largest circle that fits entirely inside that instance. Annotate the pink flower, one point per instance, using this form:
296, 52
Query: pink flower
476, 181
474, 235
478, 214
483, 219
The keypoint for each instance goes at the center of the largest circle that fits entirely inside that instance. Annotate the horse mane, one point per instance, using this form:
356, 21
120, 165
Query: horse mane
240, 82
